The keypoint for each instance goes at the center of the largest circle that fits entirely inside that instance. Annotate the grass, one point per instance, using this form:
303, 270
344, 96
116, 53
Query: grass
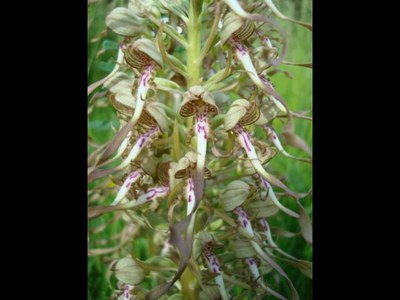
297, 92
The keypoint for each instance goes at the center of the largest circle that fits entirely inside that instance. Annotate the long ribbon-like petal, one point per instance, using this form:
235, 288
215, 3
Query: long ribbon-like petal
96, 84
120, 150
272, 195
282, 16
202, 130
136, 149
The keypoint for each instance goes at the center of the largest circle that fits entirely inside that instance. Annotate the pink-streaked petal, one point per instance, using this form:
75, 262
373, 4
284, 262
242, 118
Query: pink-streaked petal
141, 92
243, 56
142, 141
250, 261
244, 220
202, 131
152, 194
190, 194
126, 291
214, 266
132, 178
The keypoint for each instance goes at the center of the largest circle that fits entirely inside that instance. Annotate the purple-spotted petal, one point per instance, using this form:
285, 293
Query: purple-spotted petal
202, 130
142, 141
190, 194
152, 194
244, 220
132, 178
215, 267
141, 92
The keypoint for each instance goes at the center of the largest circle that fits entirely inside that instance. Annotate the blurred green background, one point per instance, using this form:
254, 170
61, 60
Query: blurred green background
297, 92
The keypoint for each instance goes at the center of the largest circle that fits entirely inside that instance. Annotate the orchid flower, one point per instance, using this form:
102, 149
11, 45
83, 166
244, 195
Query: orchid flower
159, 191
240, 114
236, 30
143, 56
200, 103
154, 121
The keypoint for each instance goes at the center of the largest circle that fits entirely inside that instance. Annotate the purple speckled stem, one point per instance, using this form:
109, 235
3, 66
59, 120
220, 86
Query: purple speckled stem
271, 194
139, 145
244, 220
202, 130
215, 267
142, 92
132, 178
190, 194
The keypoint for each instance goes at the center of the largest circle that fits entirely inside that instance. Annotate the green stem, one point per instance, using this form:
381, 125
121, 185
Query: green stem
194, 62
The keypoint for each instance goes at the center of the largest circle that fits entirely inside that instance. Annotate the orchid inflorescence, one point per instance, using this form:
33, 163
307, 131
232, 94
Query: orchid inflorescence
186, 143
